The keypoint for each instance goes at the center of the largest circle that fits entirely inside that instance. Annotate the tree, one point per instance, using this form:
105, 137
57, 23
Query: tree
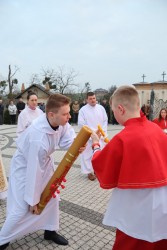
49, 78
112, 89
12, 81
64, 81
152, 98
87, 87
34, 79
85, 90
59, 80
110, 92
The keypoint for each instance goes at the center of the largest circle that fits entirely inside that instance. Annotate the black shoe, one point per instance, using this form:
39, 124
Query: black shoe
58, 239
2, 247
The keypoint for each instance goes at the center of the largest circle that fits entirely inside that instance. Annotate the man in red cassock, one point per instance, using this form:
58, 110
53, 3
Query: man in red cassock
134, 163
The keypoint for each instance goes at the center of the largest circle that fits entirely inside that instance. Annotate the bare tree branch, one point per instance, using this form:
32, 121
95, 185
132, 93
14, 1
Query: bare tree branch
34, 79
59, 80
16, 69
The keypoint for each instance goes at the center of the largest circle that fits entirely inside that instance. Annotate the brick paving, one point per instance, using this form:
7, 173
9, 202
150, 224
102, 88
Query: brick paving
82, 206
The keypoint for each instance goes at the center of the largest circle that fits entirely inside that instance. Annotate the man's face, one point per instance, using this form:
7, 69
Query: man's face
61, 117
91, 100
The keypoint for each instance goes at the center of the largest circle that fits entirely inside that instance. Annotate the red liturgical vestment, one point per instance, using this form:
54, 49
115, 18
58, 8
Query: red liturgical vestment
134, 158
162, 123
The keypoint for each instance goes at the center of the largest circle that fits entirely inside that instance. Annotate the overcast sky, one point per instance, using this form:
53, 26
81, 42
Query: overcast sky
107, 42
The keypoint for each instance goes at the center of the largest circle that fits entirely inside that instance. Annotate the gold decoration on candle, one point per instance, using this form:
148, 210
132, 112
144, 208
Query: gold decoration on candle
3, 179
64, 166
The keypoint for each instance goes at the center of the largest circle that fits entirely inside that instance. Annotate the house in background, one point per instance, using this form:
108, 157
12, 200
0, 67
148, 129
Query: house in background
144, 89
100, 93
42, 92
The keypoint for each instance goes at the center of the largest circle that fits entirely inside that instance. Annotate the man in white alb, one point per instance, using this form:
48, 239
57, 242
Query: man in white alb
91, 115
32, 166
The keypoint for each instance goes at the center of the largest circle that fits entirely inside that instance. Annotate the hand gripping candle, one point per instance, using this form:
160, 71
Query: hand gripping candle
59, 175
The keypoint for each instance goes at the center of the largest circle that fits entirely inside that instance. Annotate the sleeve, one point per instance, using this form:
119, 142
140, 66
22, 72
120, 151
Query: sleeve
17, 106
36, 158
105, 120
9, 108
67, 137
40, 111
81, 118
22, 123
107, 163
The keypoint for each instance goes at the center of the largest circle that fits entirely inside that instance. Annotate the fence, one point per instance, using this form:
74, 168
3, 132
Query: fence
157, 106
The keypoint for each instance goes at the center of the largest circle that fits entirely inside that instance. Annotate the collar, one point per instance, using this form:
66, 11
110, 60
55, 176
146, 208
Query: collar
54, 128
135, 120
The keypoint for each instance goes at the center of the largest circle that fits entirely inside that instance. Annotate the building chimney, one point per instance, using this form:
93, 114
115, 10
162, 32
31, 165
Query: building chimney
22, 87
47, 87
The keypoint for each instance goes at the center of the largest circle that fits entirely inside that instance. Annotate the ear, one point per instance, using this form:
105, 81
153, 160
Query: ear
121, 109
50, 115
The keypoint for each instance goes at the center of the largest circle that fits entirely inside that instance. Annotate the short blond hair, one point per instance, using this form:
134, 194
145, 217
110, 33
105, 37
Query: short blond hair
126, 96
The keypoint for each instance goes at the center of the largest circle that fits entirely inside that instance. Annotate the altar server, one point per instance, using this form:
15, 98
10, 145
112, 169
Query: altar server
29, 113
31, 168
92, 115
162, 120
134, 163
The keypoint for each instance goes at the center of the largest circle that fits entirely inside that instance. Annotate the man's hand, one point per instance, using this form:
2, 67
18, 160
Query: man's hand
95, 137
34, 209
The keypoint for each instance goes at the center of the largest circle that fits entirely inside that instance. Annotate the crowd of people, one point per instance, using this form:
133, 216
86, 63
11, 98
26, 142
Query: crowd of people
76, 106
133, 164
14, 110
161, 120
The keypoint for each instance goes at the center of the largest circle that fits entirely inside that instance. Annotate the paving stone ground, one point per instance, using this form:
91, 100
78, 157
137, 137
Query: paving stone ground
82, 206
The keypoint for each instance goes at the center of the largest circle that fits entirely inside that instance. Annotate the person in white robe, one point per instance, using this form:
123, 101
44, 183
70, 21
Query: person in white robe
91, 115
3, 180
28, 114
31, 168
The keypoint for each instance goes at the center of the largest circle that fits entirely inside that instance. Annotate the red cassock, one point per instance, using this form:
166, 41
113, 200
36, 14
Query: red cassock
141, 113
135, 244
134, 158
162, 123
